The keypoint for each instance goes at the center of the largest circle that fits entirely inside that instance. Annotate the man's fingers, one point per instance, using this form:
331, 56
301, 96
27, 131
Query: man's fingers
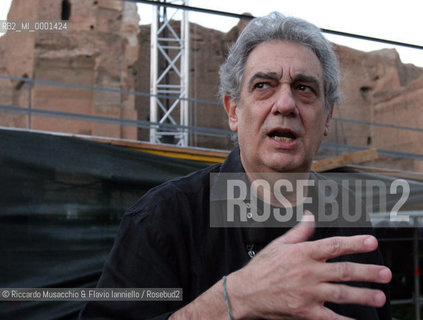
329, 248
301, 232
340, 293
349, 271
320, 312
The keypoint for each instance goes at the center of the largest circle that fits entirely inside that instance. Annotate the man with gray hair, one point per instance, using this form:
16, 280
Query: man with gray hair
279, 85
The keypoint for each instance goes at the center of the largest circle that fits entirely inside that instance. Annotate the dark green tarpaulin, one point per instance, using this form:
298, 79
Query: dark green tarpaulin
61, 200
60, 204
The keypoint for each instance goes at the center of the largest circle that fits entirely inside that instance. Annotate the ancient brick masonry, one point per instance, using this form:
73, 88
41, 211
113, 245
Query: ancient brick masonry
100, 50
107, 48
378, 87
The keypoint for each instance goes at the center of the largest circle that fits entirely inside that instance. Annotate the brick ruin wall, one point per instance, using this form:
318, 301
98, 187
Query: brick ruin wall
100, 51
106, 48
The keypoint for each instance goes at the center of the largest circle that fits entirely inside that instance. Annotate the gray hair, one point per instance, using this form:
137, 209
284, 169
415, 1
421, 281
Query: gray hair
276, 26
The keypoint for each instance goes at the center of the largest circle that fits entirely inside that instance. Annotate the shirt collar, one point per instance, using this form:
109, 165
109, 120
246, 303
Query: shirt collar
233, 163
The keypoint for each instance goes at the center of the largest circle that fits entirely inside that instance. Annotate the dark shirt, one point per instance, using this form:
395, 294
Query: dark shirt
165, 241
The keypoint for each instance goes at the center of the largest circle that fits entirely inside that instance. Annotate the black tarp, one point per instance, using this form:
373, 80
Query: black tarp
61, 199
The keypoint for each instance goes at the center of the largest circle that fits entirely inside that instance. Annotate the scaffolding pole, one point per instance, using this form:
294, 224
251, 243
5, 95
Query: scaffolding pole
169, 74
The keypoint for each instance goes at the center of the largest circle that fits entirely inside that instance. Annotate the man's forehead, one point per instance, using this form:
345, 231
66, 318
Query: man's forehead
282, 60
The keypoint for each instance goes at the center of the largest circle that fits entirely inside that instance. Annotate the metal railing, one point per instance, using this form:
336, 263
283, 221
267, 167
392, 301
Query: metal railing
30, 111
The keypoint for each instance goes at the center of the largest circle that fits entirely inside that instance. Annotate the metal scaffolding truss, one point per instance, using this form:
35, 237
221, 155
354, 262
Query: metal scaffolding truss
169, 75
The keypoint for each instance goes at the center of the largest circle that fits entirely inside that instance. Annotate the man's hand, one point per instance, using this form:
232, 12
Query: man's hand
290, 278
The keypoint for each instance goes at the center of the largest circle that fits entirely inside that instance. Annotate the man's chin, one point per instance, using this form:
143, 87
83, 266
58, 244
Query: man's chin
288, 165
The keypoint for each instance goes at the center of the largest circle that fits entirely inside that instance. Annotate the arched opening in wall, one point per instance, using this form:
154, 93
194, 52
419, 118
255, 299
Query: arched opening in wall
66, 10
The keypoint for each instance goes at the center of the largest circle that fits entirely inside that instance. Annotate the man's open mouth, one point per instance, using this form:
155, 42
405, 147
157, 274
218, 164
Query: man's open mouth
285, 136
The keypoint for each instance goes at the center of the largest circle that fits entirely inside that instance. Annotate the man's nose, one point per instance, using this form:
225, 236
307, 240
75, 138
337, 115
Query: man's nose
284, 102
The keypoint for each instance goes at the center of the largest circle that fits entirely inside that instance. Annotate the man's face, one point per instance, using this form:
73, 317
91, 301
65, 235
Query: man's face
280, 118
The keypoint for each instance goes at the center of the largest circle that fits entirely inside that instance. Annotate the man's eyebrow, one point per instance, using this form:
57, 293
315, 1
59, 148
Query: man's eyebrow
300, 77
263, 75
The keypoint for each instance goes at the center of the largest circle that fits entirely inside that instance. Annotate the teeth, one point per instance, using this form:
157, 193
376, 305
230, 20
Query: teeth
283, 139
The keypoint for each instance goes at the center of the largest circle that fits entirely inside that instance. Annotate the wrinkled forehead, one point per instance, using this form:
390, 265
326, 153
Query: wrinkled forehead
285, 59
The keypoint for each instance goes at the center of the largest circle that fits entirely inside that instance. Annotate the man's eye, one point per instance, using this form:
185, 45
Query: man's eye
303, 87
261, 85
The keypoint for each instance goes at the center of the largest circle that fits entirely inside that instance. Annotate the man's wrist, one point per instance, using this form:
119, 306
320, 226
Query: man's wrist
209, 305
236, 293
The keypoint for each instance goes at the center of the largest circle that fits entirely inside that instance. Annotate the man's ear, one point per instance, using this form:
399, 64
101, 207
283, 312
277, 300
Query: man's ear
231, 110
327, 122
